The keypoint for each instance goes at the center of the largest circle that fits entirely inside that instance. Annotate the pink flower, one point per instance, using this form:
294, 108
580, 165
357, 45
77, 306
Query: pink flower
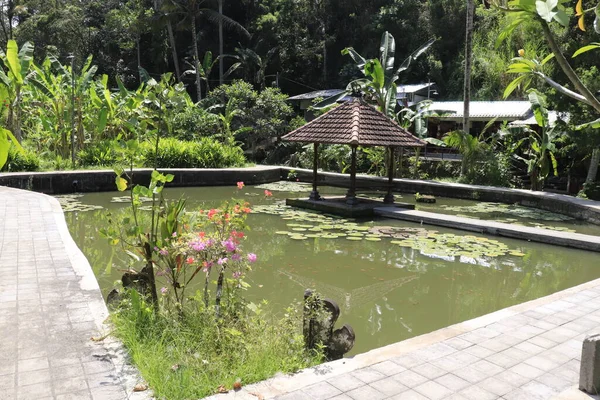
237, 275
268, 193
212, 213
163, 290
174, 234
222, 261
236, 257
164, 252
229, 245
240, 185
251, 257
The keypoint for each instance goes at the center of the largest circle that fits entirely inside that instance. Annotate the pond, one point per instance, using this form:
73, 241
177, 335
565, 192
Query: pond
393, 280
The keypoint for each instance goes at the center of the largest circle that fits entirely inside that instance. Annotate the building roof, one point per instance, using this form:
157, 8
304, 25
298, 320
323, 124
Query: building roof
484, 109
413, 88
354, 123
553, 117
317, 93
402, 91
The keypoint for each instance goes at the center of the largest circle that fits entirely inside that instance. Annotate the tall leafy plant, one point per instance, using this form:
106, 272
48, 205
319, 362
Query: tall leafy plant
13, 77
380, 75
539, 153
147, 235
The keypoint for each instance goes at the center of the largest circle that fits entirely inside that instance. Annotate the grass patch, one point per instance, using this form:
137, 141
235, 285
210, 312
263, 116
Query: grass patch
191, 356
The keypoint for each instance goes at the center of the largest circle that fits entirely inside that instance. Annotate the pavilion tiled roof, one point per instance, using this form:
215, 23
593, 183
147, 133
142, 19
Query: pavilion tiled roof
354, 123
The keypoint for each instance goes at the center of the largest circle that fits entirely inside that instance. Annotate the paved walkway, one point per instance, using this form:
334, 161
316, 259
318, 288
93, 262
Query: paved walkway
50, 307
559, 238
530, 351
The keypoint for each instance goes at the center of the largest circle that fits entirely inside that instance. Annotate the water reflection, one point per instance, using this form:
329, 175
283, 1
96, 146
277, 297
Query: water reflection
385, 291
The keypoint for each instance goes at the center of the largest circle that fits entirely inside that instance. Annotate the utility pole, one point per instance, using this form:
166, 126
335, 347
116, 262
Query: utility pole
220, 42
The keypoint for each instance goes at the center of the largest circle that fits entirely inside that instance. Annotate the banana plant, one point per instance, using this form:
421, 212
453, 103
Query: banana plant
17, 64
65, 90
539, 155
379, 84
204, 68
228, 113
6, 140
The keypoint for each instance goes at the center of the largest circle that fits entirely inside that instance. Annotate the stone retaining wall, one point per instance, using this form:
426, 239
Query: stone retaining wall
61, 182
98, 181
582, 209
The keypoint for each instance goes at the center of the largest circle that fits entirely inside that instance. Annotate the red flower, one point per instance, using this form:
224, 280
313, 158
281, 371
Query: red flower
240, 185
268, 193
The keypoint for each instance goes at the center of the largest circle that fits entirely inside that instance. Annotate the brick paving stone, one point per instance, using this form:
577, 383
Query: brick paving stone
389, 386
410, 378
409, 395
433, 390
496, 386
477, 393
345, 382
407, 361
452, 382
366, 392
388, 368
321, 391
429, 371
367, 375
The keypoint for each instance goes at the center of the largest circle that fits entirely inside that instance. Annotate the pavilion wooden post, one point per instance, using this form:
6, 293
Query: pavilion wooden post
314, 195
389, 197
351, 195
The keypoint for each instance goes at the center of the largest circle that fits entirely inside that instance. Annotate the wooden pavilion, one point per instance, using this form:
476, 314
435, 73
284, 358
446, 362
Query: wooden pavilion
354, 123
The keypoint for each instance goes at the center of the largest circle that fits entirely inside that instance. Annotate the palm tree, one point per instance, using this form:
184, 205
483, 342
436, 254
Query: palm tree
249, 60
381, 75
189, 11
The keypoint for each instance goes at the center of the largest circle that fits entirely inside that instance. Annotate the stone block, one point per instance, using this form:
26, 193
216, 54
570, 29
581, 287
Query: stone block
589, 374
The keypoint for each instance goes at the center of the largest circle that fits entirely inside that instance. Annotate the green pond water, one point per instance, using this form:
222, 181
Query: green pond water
392, 280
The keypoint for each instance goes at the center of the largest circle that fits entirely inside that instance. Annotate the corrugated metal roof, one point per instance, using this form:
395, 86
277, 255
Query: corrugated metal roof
553, 116
317, 93
354, 123
413, 88
484, 109
402, 90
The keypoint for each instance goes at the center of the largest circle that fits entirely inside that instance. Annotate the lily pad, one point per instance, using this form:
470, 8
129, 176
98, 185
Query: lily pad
285, 186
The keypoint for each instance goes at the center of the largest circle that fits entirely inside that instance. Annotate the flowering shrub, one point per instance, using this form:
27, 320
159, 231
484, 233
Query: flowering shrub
208, 245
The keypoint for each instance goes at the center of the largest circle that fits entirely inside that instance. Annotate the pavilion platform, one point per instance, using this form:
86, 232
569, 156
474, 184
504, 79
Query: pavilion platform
337, 205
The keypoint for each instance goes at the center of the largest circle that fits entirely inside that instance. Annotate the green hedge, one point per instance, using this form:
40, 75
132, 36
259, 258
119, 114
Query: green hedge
204, 153
19, 161
98, 154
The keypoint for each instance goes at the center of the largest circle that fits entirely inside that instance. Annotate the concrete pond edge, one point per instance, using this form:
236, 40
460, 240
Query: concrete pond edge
61, 182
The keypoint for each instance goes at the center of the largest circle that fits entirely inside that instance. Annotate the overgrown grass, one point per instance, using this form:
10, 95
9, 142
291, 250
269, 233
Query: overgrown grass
191, 356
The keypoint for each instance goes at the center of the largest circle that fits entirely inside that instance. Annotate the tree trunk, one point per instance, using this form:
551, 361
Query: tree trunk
467, 77
139, 57
220, 42
174, 51
593, 169
196, 60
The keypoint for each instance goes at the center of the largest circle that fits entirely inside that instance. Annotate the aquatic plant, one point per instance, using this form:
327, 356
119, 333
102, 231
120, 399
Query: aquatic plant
71, 203
313, 225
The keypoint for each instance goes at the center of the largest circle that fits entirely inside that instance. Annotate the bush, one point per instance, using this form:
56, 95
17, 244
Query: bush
491, 169
195, 122
205, 153
590, 191
21, 161
98, 154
